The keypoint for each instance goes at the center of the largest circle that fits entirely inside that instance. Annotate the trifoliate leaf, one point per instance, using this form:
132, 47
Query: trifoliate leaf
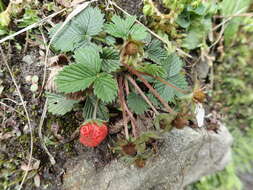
172, 64
155, 52
153, 69
167, 92
126, 29
89, 106
110, 60
58, 104
119, 27
75, 77
105, 87
85, 24
136, 103
89, 57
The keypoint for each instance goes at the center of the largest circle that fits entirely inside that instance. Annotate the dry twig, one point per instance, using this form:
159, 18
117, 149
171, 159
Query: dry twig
31, 26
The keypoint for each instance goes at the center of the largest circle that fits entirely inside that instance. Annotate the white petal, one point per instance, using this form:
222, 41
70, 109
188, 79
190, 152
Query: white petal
200, 114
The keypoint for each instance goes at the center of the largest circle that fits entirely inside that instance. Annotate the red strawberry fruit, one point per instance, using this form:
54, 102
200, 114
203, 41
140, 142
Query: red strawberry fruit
92, 133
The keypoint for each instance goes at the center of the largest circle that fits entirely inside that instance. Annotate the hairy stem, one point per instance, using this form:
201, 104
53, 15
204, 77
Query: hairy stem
152, 90
129, 113
126, 86
163, 81
142, 94
121, 99
95, 110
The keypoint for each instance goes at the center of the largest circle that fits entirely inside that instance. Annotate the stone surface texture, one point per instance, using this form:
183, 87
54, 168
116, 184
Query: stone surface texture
184, 157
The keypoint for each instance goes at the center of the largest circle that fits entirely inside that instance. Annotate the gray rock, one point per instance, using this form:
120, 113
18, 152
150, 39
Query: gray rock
185, 156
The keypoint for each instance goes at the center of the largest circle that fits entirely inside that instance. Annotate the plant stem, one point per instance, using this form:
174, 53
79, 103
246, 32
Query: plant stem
126, 86
142, 94
152, 90
95, 110
121, 97
163, 81
133, 122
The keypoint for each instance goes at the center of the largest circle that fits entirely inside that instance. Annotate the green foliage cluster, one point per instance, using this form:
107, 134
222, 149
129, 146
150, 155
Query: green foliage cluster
234, 92
99, 63
20, 14
187, 21
229, 8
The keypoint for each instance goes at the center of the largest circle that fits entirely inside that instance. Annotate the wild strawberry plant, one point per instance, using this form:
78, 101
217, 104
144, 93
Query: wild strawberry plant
115, 65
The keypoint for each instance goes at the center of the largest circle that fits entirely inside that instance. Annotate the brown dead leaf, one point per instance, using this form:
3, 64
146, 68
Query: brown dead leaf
4, 136
58, 60
34, 166
51, 85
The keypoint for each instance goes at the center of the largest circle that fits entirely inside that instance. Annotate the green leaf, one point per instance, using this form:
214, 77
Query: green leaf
136, 103
89, 57
168, 93
105, 87
66, 40
164, 121
183, 20
119, 27
155, 52
58, 104
153, 69
2, 6
138, 32
229, 8
28, 18
193, 39
75, 77
172, 64
153, 99
85, 24
125, 28
147, 136
200, 26
89, 106
110, 60
90, 21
